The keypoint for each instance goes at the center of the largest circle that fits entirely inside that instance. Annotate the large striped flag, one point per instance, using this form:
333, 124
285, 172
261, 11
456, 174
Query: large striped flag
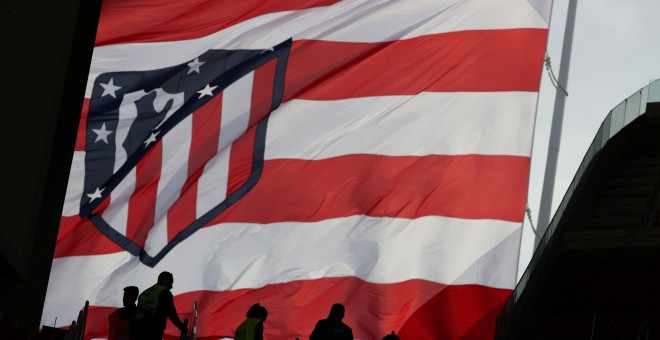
302, 153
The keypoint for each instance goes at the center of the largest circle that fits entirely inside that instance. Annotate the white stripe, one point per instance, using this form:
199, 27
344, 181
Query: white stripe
236, 103
370, 21
495, 264
235, 256
163, 99
76, 185
543, 7
429, 123
174, 172
127, 115
348, 21
212, 184
116, 214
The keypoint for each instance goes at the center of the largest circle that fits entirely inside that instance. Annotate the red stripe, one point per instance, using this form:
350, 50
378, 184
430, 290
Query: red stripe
471, 186
473, 61
80, 237
450, 308
142, 204
467, 61
262, 92
240, 160
68, 224
82, 127
164, 20
417, 309
203, 146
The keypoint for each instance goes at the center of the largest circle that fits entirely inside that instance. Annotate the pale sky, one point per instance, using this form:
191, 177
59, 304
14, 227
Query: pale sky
616, 51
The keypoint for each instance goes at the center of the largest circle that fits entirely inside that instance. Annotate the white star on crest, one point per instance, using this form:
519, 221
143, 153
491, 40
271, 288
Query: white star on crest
151, 138
102, 134
96, 194
195, 65
110, 88
207, 91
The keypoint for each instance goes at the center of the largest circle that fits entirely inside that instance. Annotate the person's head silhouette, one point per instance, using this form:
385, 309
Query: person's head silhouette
130, 296
391, 336
337, 311
257, 311
166, 279
263, 313
332, 327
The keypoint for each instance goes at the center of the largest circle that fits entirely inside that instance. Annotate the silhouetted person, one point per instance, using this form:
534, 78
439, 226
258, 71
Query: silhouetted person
391, 336
332, 328
253, 326
155, 306
121, 321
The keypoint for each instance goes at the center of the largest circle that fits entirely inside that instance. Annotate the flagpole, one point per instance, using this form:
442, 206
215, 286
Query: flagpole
557, 121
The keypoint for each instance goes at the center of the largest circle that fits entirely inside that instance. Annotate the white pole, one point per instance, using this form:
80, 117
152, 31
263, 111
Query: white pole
557, 121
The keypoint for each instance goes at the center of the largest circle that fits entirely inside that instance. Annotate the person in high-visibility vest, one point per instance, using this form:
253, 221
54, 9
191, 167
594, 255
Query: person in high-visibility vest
121, 320
155, 306
253, 326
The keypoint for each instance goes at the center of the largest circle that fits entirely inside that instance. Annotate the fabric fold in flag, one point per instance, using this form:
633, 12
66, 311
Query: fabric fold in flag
296, 155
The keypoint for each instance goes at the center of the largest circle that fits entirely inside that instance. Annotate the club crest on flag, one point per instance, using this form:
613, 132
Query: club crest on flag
168, 150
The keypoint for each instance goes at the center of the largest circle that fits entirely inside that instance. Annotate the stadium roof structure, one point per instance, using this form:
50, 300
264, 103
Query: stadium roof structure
595, 272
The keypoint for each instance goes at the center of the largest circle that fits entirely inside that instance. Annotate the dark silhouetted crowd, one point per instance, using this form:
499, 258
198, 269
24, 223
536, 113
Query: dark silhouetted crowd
146, 319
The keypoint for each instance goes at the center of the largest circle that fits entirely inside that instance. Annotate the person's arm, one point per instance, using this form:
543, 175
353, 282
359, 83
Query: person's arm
167, 301
259, 331
349, 332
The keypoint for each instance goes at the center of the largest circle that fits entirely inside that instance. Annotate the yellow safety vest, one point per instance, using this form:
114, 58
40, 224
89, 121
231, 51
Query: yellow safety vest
245, 330
148, 301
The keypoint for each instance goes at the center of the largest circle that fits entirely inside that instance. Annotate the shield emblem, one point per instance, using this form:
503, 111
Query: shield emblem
169, 150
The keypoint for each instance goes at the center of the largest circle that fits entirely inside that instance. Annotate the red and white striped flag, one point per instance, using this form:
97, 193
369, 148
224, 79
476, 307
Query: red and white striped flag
298, 154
